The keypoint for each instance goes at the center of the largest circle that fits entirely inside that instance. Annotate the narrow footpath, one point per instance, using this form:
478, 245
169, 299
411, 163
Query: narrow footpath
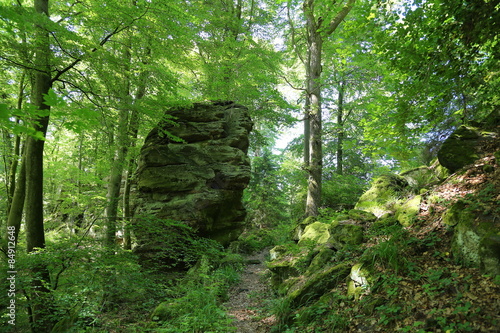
247, 299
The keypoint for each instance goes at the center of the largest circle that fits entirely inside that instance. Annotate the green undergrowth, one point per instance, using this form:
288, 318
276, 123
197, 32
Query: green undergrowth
96, 289
194, 304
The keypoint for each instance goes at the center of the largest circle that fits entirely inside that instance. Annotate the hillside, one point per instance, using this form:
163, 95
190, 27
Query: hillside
423, 255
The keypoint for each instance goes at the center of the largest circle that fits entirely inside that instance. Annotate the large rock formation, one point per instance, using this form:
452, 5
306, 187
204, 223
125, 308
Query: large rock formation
200, 179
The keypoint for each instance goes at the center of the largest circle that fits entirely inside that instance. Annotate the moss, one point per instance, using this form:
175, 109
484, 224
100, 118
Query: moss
384, 190
407, 212
487, 168
299, 229
277, 252
455, 214
476, 239
360, 280
341, 217
345, 234
164, 311
497, 156
316, 232
489, 251
353, 290
318, 284
361, 215
384, 222
320, 260
459, 149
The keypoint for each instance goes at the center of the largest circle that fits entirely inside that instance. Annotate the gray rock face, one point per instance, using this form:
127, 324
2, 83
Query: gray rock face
200, 180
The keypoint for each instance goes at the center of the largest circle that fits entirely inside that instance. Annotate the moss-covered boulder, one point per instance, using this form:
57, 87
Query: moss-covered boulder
384, 222
476, 238
315, 233
407, 212
459, 149
164, 311
425, 176
299, 229
344, 234
308, 290
456, 213
384, 190
283, 265
320, 261
466, 144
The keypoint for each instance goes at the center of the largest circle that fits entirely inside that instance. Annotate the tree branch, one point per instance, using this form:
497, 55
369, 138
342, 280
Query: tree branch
116, 31
340, 17
291, 85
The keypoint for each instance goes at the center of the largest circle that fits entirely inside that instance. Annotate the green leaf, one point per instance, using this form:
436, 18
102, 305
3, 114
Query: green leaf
51, 99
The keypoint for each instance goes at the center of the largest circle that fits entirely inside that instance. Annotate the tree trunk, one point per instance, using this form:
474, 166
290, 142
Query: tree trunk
127, 213
114, 185
17, 206
42, 319
313, 84
340, 130
307, 132
133, 132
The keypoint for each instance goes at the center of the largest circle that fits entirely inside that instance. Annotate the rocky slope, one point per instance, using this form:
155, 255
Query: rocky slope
420, 253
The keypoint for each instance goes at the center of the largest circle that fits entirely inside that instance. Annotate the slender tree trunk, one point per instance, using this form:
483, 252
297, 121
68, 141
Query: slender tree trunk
307, 132
313, 84
17, 206
127, 212
340, 132
12, 170
120, 155
114, 185
133, 132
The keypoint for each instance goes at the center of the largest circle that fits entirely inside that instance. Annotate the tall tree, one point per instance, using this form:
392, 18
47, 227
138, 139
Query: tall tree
42, 319
318, 27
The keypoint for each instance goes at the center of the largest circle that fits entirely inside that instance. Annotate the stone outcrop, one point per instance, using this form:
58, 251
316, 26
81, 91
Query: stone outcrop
384, 189
469, 142
194, 167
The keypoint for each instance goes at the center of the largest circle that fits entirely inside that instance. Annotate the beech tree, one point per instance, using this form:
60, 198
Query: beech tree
317, 29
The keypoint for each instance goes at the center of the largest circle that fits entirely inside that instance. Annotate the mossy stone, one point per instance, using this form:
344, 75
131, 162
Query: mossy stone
407, 212
164, 311
315, 286
341, 217
277, 252
361, 279
459, 149
298, 231
384, 222
320, 260
353, 290
361, 215
345, 234
456, 213
317, 233
384, 189
476, 239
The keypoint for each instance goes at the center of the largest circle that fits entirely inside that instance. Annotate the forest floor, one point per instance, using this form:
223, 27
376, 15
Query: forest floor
248, 299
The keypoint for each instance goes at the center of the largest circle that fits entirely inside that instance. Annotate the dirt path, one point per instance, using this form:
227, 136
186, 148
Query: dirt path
246, 300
